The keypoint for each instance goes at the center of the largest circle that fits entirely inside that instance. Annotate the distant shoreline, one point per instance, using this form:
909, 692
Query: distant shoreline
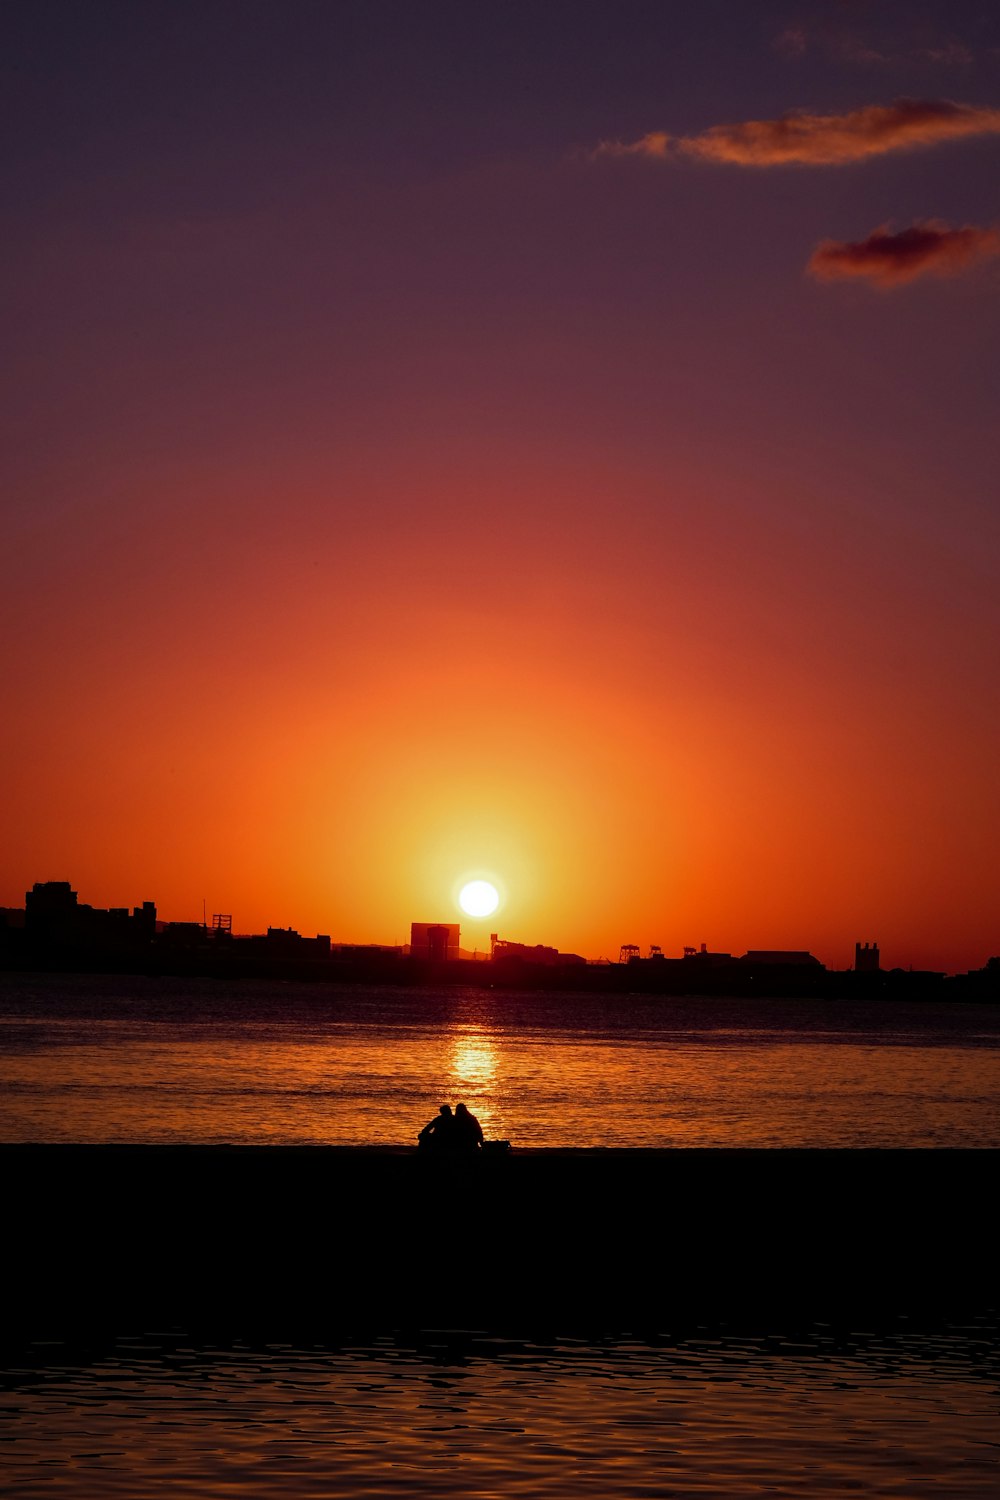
672, 978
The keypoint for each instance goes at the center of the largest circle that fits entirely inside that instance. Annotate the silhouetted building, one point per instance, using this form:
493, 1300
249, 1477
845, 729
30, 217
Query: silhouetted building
282, 940
286, 943
54, 916
866, 958
631, 953
51, 911
538, 954
703, 956
781, 957
183, 934
277, 944
144, 919
980, 984
436, 941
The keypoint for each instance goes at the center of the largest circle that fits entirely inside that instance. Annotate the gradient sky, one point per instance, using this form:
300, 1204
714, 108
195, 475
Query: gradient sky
447, 439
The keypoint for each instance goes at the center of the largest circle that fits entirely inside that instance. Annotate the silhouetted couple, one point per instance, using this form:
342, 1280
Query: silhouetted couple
460, 1131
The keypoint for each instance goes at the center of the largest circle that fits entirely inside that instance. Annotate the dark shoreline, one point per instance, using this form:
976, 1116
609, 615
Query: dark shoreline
327, 1240
669, 978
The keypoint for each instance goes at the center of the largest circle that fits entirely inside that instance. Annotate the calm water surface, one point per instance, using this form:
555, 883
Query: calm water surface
159, 1060
898, 1414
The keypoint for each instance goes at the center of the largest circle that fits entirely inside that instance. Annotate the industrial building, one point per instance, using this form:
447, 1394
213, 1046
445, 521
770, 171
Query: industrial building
436, 941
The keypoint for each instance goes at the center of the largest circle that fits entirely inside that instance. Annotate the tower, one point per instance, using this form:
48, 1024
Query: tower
866, 958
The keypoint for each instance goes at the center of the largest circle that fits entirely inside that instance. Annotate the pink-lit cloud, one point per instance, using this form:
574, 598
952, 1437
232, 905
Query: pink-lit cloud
803, 138
655, 145
887, 259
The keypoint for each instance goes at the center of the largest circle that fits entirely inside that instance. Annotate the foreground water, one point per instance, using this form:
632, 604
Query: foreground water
902, 1413
100, 1059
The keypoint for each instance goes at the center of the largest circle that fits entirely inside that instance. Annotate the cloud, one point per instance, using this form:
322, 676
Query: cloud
792, 42
953, 54
886, 259
656, 145
949, 53
801, 137
853, 49
896, 47
820, 140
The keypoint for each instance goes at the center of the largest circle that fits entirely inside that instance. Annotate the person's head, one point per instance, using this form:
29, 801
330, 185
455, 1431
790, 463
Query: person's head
446, 1109
460, 1109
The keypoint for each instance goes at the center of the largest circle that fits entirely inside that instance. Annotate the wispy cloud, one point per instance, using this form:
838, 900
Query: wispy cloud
655, 145
800, 137
948, 53
953, 54
895, 46
803, 138
792, 42
887, 259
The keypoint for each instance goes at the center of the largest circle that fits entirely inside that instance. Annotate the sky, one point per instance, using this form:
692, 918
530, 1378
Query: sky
553, 443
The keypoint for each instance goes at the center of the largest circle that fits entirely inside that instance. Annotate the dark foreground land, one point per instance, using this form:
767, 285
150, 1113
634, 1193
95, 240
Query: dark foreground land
320, 1241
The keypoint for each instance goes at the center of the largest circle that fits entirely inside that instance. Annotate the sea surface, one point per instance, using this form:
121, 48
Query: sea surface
819, 1412
100, 1059
902, 1410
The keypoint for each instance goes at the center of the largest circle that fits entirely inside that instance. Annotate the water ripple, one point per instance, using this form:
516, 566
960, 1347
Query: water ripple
813, 1414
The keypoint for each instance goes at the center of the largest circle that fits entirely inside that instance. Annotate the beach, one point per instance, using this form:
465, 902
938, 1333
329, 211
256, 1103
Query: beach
327, 1240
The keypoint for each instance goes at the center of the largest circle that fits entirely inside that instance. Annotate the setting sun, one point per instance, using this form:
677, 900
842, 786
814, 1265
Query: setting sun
479, 898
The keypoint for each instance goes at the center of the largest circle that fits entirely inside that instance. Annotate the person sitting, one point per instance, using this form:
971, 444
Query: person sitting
438, 1133
467, 1129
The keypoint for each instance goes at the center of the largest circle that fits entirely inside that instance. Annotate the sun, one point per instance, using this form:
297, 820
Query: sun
479, 898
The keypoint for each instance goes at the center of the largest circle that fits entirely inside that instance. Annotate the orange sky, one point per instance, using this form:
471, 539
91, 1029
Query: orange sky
373, 518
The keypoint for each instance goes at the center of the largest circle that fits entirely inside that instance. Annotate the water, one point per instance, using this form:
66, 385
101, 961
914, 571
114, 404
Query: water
897, 1414
902, 1410
160, 1060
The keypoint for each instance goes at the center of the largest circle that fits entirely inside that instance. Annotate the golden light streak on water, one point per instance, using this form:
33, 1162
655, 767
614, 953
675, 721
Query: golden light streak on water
474, 1067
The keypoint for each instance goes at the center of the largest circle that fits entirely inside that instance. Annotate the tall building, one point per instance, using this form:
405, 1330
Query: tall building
434, 940
866, 958
53, 914
51, 908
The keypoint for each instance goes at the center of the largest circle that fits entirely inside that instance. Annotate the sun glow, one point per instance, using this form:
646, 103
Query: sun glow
479, 898
473, 1062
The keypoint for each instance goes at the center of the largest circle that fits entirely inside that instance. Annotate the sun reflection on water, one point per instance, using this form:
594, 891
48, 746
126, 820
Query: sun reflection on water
473, 1067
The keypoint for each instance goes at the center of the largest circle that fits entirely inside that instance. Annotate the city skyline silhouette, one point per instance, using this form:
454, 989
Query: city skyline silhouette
54, 926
